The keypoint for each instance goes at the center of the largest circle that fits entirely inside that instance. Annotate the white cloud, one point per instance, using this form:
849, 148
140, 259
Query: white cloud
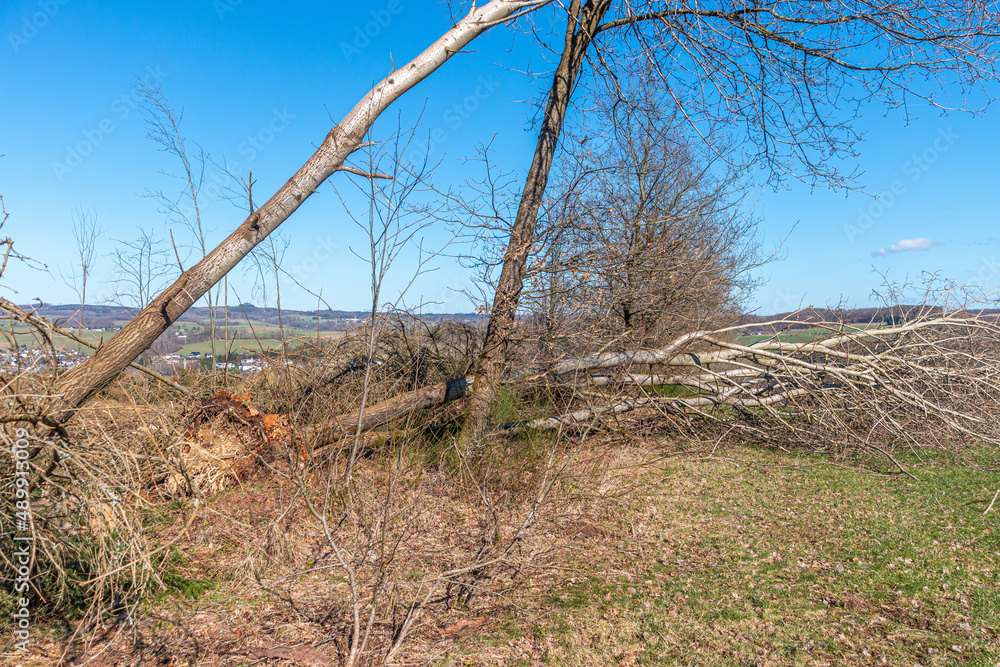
903, 245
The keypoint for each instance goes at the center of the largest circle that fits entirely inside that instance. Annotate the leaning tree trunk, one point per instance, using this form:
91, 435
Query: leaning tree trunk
580, 31
81, 383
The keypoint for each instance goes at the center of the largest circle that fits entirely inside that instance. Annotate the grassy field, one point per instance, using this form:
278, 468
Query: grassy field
269, 338
745, 561
266, 340
263, 329
796, 335
30, 340
237, 346
241, 345
744, 558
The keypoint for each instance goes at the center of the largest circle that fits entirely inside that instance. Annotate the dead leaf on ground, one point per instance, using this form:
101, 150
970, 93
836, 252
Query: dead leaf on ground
629, 660
298, 655
462, 627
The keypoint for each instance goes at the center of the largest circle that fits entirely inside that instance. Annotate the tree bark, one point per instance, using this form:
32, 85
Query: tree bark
584, 19
393, 408
76, 387
616, 359
630, 404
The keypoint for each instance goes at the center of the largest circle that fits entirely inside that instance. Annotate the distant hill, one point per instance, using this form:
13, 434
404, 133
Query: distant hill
114, 317
810, 316
111, 317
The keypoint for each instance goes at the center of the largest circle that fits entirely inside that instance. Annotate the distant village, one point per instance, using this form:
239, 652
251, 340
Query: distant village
25, 358
170, 364
35, 358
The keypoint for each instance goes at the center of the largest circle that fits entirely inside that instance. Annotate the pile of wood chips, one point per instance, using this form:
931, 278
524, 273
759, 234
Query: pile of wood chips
227, 440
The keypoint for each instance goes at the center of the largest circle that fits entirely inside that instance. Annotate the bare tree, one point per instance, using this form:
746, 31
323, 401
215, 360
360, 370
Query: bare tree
141, 270
582, 24
185, 208
76, 387
85, 233
141, 267
644, 238
392, 225
788, 76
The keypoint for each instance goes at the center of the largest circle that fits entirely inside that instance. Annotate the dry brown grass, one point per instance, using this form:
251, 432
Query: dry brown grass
260, 572
640, 554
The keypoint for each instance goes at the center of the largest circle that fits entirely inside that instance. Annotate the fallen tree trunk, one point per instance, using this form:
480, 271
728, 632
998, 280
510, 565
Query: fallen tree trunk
933, 380
76, 387
628, 405
617, 359
393, 408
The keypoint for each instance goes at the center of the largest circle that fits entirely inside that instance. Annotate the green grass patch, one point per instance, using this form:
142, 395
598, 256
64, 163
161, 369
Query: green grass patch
31, 340
239, 346
782, 560
801, 335
177, 582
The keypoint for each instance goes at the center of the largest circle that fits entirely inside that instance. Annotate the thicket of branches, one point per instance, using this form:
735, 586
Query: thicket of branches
619, 283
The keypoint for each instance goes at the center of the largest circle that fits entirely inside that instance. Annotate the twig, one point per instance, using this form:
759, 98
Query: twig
992, 502
359, 172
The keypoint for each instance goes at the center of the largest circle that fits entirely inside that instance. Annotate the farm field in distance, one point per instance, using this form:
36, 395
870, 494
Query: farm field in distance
266, 340
25, 338
254, 328
800, 335
258, 335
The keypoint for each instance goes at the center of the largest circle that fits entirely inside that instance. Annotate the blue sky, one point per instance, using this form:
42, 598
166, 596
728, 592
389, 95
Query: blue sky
259, 85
